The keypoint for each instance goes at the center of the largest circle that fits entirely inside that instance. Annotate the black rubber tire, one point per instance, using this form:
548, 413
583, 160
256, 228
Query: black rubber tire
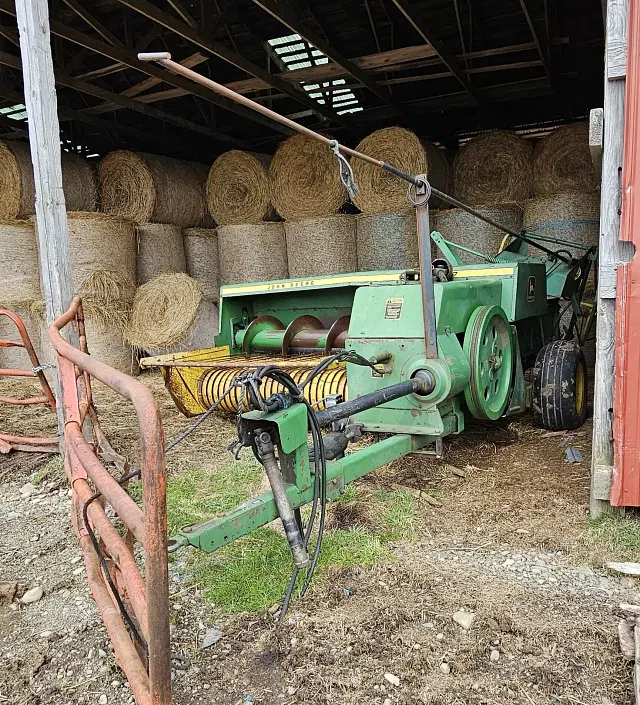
558, 404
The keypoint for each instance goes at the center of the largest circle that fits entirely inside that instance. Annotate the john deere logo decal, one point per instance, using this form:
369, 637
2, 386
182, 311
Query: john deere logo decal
531, 289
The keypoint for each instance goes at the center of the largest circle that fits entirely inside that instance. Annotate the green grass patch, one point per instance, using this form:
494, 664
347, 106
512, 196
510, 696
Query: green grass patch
399, 517
616, 536
53, 470
252, 573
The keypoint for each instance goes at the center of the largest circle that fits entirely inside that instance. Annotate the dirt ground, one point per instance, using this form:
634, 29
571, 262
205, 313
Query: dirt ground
507, 551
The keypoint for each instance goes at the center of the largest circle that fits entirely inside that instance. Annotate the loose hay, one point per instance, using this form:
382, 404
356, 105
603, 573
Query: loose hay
562, 162
252, 253
164, 310
494, 167
17, 187
465, 229
160, 251
381, 192
387, 241
100, 242
149, 188
321, 245
19, 262
201, 252
304, 179
238, 188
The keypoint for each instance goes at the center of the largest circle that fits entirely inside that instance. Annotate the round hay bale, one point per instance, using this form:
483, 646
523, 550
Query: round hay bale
465, 229
100, 243
165, 316
250, 253
381, 192
148, 188
304, 178
238, 188
387, 241
106, 344
17, 187
201, 252
19, 262
493, 167
562, 162
321, 245
160, 251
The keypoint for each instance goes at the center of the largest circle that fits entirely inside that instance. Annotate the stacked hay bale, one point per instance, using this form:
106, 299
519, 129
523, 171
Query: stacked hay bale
160, 251
201, 253
465, 229
238, 188
387, 241
171, 315
304, 179
252, 252
19, 288
17, 187
147, 188
381, 192
325, 245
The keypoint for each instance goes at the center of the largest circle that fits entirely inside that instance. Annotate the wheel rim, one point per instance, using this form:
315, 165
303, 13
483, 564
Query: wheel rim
489, 348
580, 384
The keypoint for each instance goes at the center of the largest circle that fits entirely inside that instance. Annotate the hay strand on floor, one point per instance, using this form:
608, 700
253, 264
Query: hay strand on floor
201, 253
562, 162
17, 187
163, 311
465, 229
160, 251
238, 188
304, 179
381, 192
493, 168
19, 262
149, 188
253, 252
324, 245
387, 241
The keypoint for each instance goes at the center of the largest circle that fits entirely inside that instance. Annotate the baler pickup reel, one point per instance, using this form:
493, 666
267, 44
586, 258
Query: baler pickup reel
308, 365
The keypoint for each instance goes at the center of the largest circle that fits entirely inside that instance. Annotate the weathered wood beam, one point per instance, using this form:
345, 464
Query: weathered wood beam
104, 71
10, 34
541, 44
190, 62
286, 14
131, 60
183, 12
93, 22
184, 30
414, 18
129, 103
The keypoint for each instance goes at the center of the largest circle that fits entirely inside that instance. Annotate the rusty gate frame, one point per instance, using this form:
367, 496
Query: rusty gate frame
135, 611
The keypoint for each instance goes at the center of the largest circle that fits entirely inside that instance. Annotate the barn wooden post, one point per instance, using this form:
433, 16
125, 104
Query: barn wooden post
611, 251
44, 140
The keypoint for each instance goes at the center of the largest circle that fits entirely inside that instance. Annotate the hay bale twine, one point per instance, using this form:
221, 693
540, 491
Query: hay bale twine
304, 179
252, 252
17, 187
99, 242
492, 168
562, 162
387, 241
201, 253
19, 263
147, 188
238, 188
381, 192
324, 245
465, 229
160, 251
170, 315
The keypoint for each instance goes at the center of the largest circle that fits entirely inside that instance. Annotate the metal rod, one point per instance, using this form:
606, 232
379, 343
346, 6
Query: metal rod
421, 384
164, 59
426, 275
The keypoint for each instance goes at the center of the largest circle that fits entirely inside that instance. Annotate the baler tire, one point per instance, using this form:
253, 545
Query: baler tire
559, 386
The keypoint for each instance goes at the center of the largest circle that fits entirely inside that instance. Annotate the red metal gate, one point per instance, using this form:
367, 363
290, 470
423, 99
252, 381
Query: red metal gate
625, 489
135, 610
